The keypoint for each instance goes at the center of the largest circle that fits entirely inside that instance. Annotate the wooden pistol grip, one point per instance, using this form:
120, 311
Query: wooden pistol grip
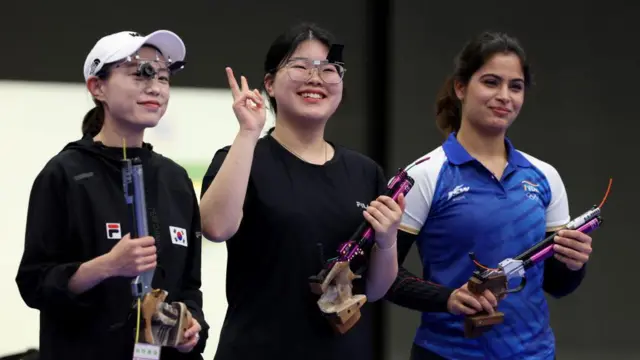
496, 284
315, 284
343, 327
475, 325
345, 315
149, 305
321, 282
337, 302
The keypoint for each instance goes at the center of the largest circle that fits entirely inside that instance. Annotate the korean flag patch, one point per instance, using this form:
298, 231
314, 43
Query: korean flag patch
178, 236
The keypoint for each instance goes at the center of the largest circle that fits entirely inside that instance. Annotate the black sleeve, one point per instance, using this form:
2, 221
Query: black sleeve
411, 291
48, 260
559, 280
381, 181
191, 294
214, 167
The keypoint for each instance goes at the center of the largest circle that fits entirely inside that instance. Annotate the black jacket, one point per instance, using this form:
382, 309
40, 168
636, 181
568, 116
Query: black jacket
72, 199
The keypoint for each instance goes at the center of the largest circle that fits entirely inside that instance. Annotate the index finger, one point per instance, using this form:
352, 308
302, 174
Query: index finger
192, 331
145, 241
491, 297
486, 305
401, 202
575, 235
233, 84
391, 204
470, 300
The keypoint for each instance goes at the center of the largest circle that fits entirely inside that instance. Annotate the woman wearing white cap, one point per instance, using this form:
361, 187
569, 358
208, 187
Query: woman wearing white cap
79, 258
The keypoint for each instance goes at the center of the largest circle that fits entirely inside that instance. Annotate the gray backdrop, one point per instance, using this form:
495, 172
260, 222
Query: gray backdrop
580, 116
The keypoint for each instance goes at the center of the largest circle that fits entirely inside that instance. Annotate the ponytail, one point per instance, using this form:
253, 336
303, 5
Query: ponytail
93, 120
448, 115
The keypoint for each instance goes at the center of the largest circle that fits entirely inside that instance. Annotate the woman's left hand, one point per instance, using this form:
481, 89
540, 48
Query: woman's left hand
572, 248
384, 215
191, 337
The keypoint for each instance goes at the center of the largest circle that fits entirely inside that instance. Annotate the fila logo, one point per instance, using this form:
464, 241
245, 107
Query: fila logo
178, 236
113, 231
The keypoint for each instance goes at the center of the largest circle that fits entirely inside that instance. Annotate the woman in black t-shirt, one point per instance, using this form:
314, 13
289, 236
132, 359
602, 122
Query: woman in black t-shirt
275, 200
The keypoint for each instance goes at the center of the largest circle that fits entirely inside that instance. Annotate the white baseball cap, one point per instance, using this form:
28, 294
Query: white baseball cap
118, 46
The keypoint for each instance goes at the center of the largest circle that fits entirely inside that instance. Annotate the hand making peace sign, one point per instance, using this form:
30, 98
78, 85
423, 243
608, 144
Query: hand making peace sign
248, 105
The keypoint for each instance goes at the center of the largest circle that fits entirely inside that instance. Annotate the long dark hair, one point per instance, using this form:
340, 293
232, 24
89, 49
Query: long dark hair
472, 57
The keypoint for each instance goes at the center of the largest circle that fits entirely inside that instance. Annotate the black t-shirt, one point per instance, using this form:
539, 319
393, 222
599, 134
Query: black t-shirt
291, 206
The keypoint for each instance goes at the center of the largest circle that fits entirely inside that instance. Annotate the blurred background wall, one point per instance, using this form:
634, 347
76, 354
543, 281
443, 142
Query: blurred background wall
580, 116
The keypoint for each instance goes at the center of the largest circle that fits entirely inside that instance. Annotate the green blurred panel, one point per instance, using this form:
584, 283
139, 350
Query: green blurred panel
195, 170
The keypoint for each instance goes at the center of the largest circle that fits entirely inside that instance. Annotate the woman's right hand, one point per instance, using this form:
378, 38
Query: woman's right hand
463, 301
131, 257
248, 105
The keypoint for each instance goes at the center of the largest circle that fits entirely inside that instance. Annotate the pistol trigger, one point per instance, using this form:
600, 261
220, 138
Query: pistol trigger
523, 283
